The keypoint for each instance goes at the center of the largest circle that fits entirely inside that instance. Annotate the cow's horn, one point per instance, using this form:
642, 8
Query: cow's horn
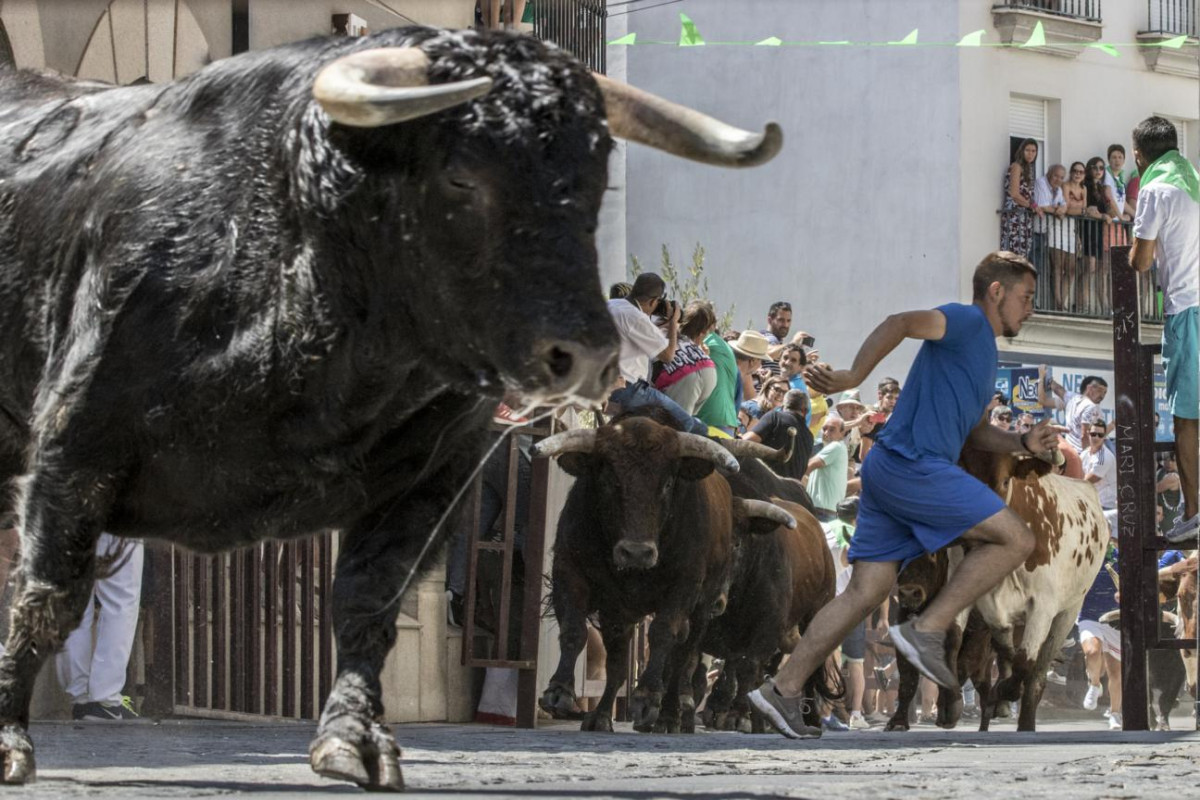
696, 446
387, 85
576, 441
744, 448
761, 508
641, 117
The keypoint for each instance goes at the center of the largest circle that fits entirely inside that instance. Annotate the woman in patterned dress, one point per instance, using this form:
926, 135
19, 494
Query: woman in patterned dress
1016, 213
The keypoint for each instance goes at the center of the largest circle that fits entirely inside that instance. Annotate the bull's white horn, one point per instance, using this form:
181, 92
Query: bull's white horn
761, 508
644, 118
576, 441
696, 446
387, 85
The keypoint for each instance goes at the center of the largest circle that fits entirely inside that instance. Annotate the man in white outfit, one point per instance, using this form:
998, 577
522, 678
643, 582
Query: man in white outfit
95, 675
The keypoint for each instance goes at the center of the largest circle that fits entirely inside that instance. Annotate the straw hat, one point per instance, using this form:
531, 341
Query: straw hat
751, 344
849, 397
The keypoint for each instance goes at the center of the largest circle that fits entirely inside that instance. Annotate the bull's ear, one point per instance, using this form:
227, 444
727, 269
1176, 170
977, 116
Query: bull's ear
575, 464
695, 469
1031, 466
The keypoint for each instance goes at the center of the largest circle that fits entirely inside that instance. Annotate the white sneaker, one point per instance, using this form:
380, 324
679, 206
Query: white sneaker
1092, 697
858, 722
1115, 723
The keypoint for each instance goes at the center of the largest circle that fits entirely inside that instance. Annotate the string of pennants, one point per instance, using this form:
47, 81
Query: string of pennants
689, 36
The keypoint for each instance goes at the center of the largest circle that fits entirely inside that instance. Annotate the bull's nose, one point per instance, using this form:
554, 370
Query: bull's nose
635, 555
576, 369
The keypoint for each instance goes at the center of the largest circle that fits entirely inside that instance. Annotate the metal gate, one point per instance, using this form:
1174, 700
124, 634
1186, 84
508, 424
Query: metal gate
1133, 368
577, 26
242, 633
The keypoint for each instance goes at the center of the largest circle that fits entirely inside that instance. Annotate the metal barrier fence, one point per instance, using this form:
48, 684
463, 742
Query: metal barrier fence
1174, 17
1073, 256
578, 26
247, 632
1079, 9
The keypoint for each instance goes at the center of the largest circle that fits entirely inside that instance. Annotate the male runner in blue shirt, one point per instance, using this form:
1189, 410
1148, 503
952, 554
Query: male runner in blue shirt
915, 498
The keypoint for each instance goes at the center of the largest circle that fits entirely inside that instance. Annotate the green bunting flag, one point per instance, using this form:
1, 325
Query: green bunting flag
1037, 38
629, 38
972, 39
689, 36
770, 41
1106, 48
1174, 44
910, 39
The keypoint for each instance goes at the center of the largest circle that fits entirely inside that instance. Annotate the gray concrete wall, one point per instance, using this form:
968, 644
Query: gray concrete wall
858, 216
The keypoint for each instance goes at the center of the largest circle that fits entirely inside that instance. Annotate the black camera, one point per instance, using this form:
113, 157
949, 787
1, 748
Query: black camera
808, 341
664, 308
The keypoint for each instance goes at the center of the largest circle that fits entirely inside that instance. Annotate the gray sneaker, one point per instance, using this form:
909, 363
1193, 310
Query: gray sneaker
1184, 530
785, 713
925, 651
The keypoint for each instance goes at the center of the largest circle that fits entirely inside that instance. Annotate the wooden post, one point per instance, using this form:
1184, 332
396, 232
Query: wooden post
1133, 376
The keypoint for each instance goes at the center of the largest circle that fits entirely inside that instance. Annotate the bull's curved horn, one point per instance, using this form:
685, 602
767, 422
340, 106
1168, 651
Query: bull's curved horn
761, 508
744, 448
696, 446
387, 85
641, 117
576, 441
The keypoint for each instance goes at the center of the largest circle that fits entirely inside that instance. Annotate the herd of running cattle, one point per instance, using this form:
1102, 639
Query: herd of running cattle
729, 561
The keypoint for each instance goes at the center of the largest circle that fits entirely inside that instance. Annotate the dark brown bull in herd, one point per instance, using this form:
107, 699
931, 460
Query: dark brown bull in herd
232, 308
647, 528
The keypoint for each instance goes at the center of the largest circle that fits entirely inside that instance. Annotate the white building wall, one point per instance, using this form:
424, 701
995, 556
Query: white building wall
858, 216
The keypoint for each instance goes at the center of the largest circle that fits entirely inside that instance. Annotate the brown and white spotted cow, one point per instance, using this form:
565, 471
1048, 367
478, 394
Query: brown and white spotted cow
1044, 594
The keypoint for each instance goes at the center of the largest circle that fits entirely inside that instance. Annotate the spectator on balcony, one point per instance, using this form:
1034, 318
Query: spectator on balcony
1100, 211
1075, 193
690, 376
1168, 228
1002, 418
500, 14
1052, 233
1018, 209
1115, 179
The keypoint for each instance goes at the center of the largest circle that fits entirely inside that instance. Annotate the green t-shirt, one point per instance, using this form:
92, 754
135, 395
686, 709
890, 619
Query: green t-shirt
827, 485
719, 410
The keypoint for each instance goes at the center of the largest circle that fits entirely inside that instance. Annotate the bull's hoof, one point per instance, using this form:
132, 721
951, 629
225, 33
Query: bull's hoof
16, 756
597, 723
687, 714
666, 725
559, 702
744, 725
373, 762
896, 724
644, 708
718, 722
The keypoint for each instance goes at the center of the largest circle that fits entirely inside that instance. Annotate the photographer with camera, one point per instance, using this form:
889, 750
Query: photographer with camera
642, 341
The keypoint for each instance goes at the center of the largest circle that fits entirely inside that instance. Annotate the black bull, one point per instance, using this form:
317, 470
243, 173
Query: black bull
283, 295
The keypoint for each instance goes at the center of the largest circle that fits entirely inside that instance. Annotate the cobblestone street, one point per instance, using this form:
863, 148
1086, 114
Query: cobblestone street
187, 758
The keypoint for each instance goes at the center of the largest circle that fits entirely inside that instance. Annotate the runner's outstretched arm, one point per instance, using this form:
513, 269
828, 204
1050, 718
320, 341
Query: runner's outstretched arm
884, 339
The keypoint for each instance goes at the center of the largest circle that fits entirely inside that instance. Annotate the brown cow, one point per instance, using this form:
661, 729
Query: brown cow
780, 581
646, 529
1045, 594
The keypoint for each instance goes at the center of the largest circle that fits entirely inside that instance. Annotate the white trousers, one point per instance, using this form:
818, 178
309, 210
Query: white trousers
96, 673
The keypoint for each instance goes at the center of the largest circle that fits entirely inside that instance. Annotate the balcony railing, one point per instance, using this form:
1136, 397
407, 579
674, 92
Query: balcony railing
1072, 256
1171, 17
577, 26
1076, 9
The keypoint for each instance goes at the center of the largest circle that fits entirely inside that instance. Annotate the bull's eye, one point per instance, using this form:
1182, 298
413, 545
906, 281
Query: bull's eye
462, 184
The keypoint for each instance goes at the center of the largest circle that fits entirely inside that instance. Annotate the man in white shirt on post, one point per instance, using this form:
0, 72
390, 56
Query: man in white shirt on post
641, 342
1079, 408
1167, 228
1100, 469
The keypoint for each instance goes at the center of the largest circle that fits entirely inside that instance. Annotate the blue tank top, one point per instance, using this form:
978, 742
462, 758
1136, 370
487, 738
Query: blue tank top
948, 387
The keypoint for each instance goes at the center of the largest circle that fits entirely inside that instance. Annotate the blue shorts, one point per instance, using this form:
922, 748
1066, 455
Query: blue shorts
909, 508
1181, 358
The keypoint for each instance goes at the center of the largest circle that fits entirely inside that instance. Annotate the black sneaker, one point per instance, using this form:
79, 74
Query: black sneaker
785, 713
100, 711
925, 651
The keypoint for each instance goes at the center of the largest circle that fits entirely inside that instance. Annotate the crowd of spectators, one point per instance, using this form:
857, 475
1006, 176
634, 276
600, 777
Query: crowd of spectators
1066, 220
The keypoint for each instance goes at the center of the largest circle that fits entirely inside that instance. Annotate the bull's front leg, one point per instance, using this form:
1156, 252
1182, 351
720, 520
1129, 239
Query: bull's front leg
570, 598
666, 631
376, 557
62, 515
910, 679
615, 633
